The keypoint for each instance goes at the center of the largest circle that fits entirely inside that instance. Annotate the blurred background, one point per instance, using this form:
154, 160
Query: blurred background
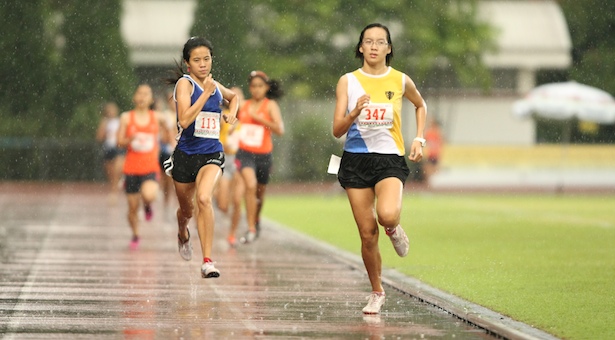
471, 60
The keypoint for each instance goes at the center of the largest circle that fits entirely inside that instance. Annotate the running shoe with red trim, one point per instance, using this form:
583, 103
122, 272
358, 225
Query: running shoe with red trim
209, 271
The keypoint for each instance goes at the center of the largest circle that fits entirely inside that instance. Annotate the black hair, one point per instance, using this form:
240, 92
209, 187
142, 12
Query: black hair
275, 88
190, 45
358, 53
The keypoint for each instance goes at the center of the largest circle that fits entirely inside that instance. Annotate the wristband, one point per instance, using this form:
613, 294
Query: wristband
421, 140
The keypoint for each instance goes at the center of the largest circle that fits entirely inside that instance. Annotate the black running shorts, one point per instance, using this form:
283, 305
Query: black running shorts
132, 183
364, 170
261, 163
186, 167
111, 153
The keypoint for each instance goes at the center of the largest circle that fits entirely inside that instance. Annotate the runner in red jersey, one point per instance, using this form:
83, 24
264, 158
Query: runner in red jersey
138, 133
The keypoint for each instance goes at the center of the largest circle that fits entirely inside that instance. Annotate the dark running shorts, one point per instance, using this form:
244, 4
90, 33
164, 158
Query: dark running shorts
261, 163
186, 167
111, 153
132, 183
364, 170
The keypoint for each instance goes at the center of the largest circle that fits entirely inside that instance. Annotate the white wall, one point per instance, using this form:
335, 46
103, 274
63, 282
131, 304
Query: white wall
480, 121
155, 31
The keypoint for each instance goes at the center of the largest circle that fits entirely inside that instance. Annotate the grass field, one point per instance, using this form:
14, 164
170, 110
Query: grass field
546, 260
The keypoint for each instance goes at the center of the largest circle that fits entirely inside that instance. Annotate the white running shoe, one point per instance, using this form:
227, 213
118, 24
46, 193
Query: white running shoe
374, 303
208, 270
185, 248
400, 241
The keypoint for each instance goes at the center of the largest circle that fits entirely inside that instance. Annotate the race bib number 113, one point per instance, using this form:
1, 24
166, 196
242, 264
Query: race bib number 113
207, 125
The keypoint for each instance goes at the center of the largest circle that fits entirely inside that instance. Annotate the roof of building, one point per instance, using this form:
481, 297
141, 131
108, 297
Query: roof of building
531, 34
156, 30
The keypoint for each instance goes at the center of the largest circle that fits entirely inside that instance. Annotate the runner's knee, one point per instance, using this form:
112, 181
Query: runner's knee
388, 217
186, 211
369, 236
204, 201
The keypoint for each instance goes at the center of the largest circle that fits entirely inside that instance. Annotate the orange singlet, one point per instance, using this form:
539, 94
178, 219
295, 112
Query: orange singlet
255, 137
142, 153
434, 143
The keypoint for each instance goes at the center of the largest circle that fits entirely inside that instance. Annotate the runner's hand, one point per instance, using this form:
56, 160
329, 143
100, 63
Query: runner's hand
209, 85
416, 152
229, 119
362, 103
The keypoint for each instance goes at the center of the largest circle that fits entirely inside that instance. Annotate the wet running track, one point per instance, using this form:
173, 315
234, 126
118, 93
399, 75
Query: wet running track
66, 272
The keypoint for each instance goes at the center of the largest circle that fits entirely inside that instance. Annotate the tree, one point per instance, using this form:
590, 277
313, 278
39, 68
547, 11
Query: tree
24, 62
592, 30
94, 65
225, 24
308, 44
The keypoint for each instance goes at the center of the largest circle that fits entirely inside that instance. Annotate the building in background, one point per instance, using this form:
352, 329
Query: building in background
155, 32
532, 35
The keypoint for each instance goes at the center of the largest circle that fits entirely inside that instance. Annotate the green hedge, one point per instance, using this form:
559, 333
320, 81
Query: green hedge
50, 159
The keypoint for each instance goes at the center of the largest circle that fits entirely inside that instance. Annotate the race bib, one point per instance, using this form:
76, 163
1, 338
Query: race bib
143, 142
207, 125
252, 135
376, 116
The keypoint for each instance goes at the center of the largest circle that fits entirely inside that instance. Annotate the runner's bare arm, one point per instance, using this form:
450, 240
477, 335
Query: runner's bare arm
413, 95
341, 120
123, 139
233, 103
276, 125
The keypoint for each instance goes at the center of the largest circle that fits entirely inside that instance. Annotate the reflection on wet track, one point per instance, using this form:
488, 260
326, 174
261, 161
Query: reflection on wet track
66, 271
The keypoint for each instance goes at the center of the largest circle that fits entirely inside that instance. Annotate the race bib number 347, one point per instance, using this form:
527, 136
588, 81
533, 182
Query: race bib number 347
376, 116
207, 125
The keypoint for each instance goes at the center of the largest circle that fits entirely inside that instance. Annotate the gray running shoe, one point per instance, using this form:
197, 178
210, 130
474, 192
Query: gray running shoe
185, 248
400, 241
249, 237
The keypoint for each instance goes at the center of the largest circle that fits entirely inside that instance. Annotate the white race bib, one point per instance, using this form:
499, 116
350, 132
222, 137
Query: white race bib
376, 116
207, 125
252, 135
143, 142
